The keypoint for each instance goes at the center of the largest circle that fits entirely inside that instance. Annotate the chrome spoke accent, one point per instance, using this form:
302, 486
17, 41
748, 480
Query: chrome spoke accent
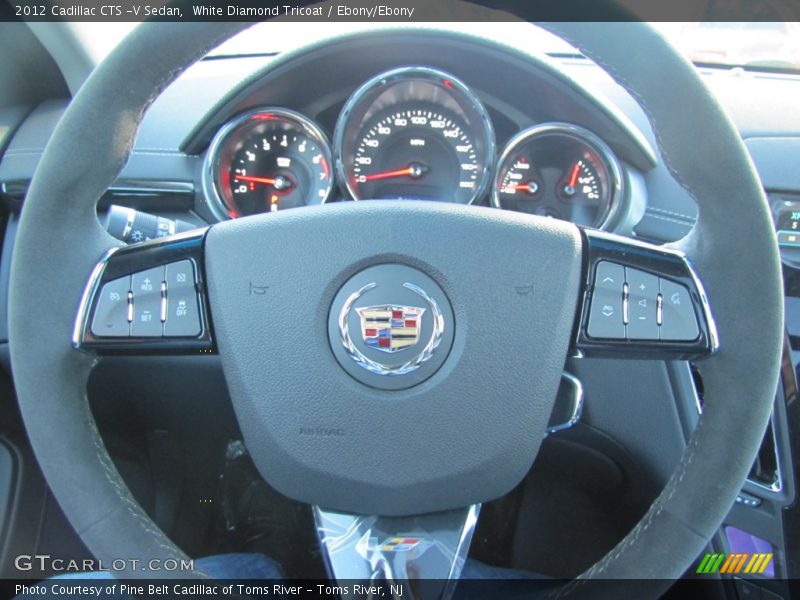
569, 404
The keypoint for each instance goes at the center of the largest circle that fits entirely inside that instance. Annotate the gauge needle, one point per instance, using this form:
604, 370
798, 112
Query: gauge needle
414, 170
531, 187
279, 183
573, 177
251, 179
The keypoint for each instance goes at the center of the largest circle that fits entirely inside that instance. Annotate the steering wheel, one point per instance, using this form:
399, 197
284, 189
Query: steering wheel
322, 424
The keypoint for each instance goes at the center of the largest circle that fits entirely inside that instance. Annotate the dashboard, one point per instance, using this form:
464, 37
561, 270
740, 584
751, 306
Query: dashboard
421, 116
422, 113
410, 133
555, 112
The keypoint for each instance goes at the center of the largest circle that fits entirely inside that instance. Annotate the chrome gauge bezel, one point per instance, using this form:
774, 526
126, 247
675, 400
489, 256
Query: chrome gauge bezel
410, 73
583, 135
210, 182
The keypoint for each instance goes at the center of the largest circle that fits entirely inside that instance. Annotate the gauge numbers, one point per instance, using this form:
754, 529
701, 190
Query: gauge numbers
414, 133
267, 160
559, 170
277, 170
416, 153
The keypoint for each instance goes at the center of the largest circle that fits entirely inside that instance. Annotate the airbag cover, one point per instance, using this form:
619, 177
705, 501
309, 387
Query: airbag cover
467, 433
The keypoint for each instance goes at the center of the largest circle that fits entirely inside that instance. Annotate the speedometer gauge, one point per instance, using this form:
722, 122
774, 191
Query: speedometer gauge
267, 160
414, 133
562, 171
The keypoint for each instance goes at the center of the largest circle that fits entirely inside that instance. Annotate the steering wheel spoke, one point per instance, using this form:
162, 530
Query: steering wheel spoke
147, 298
418, 556
641, 301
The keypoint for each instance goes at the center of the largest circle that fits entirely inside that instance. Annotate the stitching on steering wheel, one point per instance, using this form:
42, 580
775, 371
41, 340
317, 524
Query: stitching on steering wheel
130, 505
672, 486
655, 510
109, 471
623, 81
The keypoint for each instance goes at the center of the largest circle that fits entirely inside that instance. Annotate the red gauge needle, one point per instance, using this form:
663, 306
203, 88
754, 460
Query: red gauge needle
266, 180
414, 170
531, 187
279, 183
573, 177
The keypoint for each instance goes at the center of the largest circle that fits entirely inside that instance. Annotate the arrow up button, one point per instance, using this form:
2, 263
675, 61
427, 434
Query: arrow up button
605, 314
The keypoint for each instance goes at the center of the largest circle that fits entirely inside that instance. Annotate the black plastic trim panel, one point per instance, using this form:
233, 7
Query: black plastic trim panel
163, 196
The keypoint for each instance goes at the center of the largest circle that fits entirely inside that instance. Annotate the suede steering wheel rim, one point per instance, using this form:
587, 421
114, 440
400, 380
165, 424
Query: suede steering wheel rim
733, 247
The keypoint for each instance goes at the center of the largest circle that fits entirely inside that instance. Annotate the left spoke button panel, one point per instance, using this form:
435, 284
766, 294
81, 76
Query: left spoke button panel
147, 298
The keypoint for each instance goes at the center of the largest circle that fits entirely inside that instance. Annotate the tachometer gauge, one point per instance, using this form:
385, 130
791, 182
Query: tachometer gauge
414, 133
559, 170
267, 160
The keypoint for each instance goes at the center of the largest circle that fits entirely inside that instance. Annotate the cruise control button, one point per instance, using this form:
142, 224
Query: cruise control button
605, 314
642, 297
679, 322
146, 287
111, 314
183, 315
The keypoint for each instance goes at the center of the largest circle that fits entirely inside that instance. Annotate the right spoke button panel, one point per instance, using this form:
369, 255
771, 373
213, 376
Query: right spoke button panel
631, 304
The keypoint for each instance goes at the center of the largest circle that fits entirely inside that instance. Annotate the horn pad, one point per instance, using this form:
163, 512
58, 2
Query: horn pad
393, 357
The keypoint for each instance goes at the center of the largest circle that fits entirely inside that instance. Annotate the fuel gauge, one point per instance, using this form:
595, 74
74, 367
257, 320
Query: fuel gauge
521, 179
561, 171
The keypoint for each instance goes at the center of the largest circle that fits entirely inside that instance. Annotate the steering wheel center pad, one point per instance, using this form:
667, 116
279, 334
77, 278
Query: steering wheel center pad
468, 433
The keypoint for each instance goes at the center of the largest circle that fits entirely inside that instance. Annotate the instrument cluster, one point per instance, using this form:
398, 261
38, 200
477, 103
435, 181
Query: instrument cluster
413, 133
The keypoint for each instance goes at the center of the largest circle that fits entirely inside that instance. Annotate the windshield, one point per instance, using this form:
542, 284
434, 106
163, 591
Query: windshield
750, 45
756, 45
